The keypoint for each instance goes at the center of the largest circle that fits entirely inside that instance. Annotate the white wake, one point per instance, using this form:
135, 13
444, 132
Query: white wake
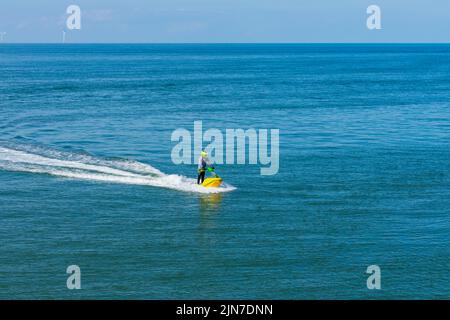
77, 166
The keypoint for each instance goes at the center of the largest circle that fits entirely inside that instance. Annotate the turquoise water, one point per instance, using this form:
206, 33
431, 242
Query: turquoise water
86, 176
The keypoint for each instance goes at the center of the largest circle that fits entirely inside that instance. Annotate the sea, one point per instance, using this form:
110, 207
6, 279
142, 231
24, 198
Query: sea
87, 176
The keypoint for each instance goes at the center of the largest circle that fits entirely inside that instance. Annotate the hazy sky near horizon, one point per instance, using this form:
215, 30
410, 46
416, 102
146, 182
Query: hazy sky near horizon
226, 21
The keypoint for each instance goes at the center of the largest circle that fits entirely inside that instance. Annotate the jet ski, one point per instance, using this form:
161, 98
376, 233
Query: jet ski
212, 182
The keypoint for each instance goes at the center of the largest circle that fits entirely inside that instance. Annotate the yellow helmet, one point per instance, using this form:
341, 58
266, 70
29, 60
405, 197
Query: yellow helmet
204, 154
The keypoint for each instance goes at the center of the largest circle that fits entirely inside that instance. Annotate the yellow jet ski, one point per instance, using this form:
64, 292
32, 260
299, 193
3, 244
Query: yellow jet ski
213, 182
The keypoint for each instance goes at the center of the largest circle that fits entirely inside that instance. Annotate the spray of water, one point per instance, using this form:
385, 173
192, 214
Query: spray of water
33, 159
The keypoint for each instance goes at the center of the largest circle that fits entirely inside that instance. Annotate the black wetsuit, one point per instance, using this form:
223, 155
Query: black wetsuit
201, 176
202, 164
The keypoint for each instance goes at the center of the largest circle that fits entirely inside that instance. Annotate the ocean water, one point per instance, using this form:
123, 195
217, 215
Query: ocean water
86, 176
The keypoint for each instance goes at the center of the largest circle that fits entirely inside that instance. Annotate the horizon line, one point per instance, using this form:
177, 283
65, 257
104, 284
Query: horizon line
231, 43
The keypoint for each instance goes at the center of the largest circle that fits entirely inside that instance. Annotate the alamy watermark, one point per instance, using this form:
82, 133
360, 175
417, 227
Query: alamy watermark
74, 280
374, 20
73, 21
233, 144
374, 280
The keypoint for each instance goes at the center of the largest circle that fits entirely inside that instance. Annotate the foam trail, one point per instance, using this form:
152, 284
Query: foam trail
76, 166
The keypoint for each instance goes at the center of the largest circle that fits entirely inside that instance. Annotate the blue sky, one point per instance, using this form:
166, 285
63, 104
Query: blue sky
226, 21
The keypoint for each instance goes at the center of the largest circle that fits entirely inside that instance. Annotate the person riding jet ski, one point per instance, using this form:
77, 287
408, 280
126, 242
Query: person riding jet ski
203, 165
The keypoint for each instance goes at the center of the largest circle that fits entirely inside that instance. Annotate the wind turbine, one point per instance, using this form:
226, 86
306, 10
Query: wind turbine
2, 35
64, 37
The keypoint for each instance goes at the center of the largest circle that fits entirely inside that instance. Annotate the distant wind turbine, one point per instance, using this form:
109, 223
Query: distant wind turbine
64, 37
2, 35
